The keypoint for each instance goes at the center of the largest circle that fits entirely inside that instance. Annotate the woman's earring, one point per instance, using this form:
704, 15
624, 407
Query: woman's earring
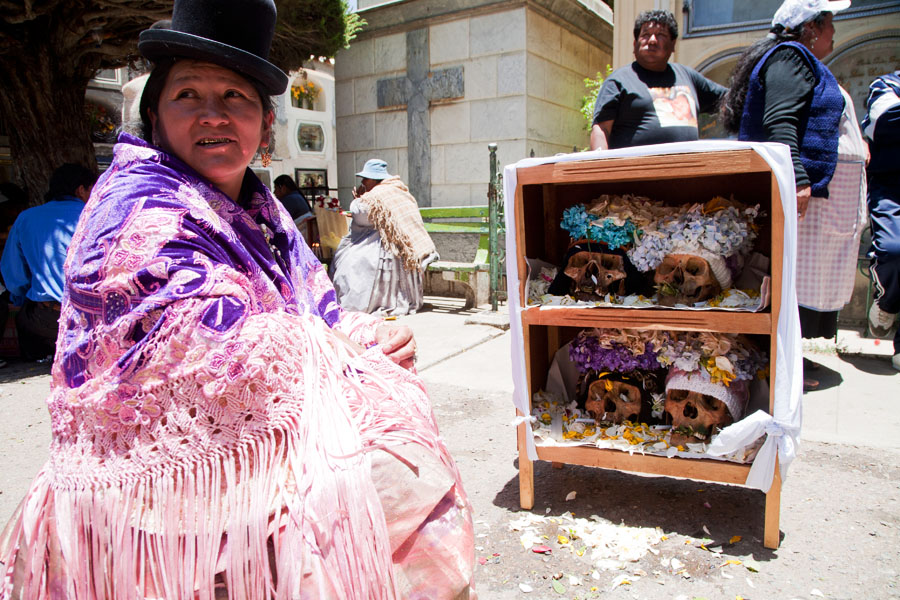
265, 158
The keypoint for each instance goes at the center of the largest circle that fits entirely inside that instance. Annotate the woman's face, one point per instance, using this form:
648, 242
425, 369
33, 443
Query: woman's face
211, 118
824, 38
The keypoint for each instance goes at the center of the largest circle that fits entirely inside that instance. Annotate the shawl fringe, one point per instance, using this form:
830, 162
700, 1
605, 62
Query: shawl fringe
395, 213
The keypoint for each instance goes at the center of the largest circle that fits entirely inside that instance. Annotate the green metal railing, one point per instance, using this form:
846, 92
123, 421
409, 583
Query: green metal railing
497, 255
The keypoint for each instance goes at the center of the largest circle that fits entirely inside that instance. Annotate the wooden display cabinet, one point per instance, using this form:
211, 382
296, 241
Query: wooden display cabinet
544, 191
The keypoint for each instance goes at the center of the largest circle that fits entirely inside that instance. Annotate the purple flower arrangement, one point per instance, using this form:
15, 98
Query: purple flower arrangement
589, 354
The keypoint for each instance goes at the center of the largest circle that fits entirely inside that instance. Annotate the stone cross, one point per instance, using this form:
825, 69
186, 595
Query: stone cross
416, 91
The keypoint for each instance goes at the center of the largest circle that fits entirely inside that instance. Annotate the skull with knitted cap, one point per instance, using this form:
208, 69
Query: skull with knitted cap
708, 383
698, 408
696, 253
689, 275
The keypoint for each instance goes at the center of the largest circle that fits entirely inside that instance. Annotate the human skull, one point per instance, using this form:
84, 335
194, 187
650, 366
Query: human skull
613, 401
596, 274
695, 416
689, 276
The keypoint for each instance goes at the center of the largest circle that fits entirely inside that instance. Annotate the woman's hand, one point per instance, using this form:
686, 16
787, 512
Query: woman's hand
397, 343
804, 193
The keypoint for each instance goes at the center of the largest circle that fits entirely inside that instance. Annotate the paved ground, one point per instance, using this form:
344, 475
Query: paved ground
840, 519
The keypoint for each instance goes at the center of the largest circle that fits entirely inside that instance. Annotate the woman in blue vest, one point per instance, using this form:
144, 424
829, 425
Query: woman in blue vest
782, 92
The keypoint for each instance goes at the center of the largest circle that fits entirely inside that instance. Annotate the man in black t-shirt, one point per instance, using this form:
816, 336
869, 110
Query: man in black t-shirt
652, 101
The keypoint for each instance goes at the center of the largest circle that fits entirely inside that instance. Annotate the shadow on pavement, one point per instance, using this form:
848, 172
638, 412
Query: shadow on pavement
827, 378
678, 506
16, 370
447, 306
873, 365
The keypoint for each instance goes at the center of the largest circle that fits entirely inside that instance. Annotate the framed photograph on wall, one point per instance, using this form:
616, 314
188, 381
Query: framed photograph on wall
312, 182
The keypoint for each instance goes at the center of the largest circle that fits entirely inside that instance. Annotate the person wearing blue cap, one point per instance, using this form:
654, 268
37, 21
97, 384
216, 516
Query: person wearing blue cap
379, 264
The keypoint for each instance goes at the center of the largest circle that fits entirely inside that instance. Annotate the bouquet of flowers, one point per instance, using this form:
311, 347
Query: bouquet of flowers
719, 228
619, 350
725, 357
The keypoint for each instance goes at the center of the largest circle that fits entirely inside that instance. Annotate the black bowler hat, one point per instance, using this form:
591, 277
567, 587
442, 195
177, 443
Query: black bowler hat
236, 34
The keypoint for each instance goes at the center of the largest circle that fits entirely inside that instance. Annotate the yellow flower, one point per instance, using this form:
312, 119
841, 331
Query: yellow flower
717, 374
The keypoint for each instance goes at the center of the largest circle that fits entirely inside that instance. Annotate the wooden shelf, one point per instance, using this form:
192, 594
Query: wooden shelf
703, 469
651, 318
544, 192
665, 166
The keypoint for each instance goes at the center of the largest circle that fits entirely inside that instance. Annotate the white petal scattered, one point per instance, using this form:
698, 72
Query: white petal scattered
525, 588
607, 545
815, 592
573, 580
570, 496
677, 564
706, 531
595, 574
623, 578
750, 583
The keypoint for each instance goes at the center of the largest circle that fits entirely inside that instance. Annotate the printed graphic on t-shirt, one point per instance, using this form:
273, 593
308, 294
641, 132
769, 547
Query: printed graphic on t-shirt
674, 106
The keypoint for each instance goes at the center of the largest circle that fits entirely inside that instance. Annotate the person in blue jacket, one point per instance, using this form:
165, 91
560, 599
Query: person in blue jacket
881, 127
34, 254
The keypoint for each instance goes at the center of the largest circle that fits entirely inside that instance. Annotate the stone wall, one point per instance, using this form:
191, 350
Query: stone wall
523, 65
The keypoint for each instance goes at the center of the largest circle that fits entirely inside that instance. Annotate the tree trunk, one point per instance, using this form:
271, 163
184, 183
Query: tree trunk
43, 96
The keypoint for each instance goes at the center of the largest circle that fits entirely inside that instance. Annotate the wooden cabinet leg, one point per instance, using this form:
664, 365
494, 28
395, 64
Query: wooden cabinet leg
526, 471
772, 534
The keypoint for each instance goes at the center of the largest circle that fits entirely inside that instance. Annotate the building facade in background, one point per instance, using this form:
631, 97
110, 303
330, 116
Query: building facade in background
714, 33
305, 141
428, 85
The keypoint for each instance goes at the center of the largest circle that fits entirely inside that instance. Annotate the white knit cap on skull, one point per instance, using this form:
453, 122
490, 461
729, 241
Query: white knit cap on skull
734, 396
716, 262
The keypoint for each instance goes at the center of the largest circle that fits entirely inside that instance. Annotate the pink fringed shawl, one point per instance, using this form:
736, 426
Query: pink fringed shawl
209, 433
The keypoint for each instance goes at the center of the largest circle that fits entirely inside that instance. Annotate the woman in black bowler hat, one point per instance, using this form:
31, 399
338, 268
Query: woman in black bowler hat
221, 426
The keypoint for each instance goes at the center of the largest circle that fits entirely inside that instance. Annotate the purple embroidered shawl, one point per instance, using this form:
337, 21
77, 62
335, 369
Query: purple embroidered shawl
155, 232
203, 415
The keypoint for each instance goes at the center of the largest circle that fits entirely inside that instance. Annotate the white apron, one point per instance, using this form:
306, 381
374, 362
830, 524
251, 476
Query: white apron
828, 236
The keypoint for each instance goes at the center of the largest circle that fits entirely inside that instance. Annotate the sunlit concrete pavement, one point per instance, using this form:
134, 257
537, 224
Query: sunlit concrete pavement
464, 361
